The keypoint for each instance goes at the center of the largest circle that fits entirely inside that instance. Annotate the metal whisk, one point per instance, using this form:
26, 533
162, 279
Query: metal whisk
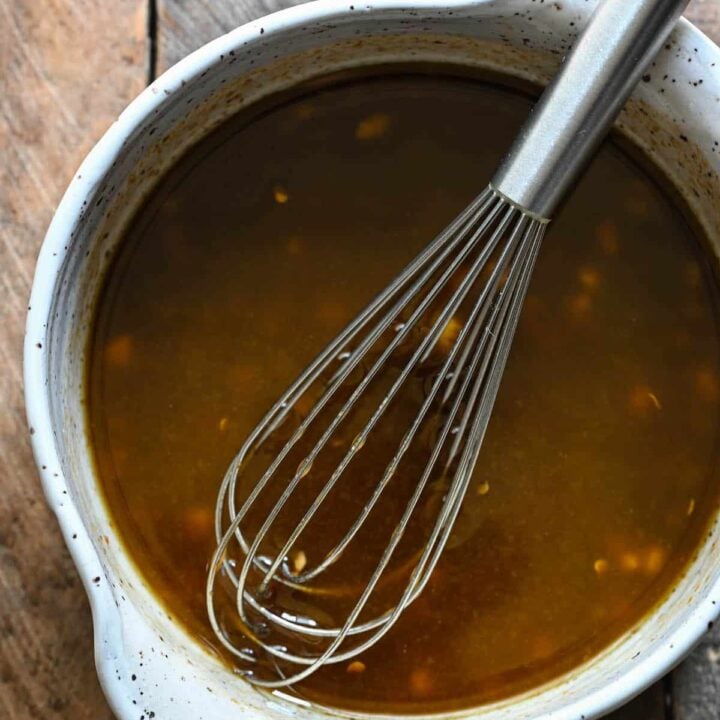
417, 371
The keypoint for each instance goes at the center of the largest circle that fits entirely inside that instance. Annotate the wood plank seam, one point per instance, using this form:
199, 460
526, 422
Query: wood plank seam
152, 40
669, 697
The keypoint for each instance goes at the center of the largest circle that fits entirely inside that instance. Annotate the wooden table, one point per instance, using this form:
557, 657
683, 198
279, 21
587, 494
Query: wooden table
67, 67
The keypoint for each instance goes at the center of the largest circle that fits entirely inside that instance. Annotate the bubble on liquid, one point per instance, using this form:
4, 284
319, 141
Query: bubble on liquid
399, 327
248, 654
300, 620
305, 621
344, 355
455, 430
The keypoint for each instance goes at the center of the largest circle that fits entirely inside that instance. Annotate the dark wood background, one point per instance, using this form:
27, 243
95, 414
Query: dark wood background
67, 68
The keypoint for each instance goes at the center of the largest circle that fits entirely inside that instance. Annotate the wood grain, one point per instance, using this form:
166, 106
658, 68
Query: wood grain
185, 25
706, 15
67, 67
697, 682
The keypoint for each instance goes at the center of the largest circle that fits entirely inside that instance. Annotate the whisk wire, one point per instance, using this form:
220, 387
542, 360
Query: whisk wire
227, 490
432, 338
473, 363
383, 325
427, 343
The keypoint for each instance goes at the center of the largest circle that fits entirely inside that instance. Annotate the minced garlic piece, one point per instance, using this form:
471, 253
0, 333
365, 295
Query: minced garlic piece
299, 562
589, 277
607, 235
119, 350
601, 566
280, 194
372, 127
420, 682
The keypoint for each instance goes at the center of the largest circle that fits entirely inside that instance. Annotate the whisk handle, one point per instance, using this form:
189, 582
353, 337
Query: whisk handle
579, 106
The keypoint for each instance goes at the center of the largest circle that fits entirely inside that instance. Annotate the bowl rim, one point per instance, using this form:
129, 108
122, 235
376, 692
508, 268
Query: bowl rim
38, 390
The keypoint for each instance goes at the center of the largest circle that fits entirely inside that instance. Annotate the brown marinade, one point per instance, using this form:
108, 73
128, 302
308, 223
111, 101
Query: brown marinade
599, 471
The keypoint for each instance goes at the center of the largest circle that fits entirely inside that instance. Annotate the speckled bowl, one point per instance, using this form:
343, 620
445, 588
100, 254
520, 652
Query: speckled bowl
148, 665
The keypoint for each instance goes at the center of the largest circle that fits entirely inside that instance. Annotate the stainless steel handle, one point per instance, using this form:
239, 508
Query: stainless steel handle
578, 107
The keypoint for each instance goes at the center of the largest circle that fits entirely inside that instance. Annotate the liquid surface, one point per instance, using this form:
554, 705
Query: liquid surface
598, 471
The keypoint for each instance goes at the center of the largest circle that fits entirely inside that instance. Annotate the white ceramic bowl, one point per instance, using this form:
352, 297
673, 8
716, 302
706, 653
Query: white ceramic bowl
146, 662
